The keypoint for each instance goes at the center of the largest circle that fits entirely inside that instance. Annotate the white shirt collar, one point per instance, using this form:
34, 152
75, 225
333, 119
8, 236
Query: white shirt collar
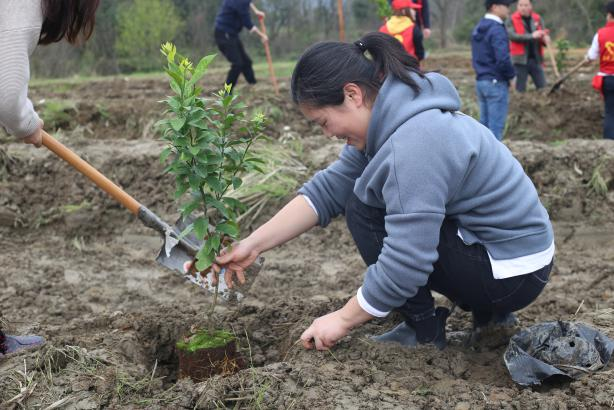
490, 16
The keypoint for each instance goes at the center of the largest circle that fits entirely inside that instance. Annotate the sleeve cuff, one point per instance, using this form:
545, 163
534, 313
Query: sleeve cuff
367, 307
310, 203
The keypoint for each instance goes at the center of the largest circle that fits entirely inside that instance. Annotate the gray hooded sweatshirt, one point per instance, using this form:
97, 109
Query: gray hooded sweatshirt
425, 161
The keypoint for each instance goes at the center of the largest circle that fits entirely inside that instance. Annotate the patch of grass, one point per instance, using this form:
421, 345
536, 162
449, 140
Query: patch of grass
55, 213
597, 184
57, 113
203, 339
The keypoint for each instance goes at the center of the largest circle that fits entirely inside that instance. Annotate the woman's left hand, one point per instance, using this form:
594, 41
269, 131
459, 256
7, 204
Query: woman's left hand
325, 331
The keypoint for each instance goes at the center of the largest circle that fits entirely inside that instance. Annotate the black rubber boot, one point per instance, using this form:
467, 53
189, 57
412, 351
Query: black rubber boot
412, 333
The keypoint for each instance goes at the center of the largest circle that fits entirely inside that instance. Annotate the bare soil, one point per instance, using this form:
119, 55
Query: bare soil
79, 270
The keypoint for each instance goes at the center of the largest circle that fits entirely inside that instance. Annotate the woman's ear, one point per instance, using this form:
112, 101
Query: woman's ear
354, 94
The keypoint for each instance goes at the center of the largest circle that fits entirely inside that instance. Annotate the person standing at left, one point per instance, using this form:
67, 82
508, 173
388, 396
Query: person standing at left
24, 24
528, 36
230, 20
491, 60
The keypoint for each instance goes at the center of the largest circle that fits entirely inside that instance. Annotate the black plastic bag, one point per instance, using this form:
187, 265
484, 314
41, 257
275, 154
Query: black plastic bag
566, 349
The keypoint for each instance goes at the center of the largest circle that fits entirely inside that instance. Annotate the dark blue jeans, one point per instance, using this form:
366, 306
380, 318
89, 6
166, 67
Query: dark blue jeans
493, 99
463, 272
608, 96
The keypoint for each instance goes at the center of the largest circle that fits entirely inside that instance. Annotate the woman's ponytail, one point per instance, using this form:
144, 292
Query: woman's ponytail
325, 68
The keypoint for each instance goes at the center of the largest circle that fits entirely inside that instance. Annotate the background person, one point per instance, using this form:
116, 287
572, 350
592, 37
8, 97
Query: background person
432, 200
528, 35
602, 50
23, 25
402, 26
490, 54
230, 20
423, 17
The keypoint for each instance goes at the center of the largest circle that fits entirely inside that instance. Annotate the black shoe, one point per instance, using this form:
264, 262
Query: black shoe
405, 333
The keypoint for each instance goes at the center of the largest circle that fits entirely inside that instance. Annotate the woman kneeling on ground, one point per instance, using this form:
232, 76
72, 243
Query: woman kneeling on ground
431, 198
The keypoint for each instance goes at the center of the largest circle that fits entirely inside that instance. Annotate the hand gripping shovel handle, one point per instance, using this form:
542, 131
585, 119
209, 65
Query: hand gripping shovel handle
269, 59
148, 218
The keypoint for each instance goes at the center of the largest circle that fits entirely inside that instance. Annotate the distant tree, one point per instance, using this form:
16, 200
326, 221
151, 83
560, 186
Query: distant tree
142, 26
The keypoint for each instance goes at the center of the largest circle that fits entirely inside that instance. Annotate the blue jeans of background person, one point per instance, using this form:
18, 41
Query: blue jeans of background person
608, 96
532, 68
463, 272
493, 98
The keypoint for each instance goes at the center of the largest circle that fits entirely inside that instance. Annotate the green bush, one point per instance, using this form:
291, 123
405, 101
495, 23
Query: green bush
142, 26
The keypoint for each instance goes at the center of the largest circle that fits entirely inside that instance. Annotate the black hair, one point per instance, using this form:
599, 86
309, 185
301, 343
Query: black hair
326, 67
609, 8
70, 19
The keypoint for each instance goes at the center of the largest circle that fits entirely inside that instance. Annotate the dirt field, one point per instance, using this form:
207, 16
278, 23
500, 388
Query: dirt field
79, 270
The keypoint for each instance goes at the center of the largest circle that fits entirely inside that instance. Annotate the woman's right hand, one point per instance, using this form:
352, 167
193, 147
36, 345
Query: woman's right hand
235, 261
36, 138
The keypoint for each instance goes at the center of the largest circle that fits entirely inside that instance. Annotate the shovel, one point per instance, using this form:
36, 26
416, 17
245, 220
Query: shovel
177, 253
561, 80
269, 59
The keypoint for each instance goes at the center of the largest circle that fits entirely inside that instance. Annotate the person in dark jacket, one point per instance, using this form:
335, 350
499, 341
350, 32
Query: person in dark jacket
493, 65
230, 20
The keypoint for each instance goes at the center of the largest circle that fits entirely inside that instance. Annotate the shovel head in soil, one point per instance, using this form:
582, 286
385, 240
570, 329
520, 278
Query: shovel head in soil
564, 349
178, 255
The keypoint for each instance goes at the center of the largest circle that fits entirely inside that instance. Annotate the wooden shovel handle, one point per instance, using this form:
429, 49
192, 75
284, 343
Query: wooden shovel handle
269, 59
92, 173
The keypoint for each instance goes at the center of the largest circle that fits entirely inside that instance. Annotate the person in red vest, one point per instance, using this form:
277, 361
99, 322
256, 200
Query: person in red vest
602, 49
423, 17
528, 36
402, 26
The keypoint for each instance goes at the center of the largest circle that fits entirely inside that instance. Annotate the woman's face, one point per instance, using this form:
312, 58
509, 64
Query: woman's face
348, 121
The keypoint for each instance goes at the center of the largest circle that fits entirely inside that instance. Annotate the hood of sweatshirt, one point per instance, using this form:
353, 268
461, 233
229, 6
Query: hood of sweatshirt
396, 103
482, 28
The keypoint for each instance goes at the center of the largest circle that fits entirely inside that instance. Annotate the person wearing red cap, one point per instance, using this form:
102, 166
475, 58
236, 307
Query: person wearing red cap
423, 17
402, 26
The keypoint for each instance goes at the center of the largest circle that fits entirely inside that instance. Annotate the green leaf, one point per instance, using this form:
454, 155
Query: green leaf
182, 187
200, 227
215, 184
188, 208
195, 182
236, 182
201, 68
204, 259
178, 123
219, 206
165, 153
215, 241
194, 150
229, 228
188, 229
